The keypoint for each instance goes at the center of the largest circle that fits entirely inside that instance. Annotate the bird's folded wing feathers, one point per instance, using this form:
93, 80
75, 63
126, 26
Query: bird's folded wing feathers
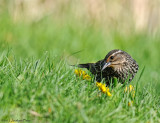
92, 67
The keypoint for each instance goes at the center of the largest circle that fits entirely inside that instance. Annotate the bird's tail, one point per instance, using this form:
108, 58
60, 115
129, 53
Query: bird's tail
86, 65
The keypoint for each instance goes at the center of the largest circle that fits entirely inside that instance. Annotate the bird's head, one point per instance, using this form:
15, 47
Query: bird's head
115, 59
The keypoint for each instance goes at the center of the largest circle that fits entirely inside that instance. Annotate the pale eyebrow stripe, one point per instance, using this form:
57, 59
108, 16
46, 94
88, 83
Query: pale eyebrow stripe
116, 52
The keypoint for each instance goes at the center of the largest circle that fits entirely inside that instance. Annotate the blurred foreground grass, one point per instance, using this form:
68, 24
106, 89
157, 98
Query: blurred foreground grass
37, 83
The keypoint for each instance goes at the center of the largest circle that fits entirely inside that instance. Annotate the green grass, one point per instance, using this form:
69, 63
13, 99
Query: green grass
35, 74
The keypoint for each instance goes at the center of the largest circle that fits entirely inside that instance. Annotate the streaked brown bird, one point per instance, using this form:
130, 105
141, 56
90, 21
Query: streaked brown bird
117, 63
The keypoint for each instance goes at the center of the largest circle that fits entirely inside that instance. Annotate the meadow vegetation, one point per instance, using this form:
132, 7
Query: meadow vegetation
40, 40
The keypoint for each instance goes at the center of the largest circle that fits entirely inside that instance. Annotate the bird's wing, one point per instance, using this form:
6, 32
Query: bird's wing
98, 66
94, 68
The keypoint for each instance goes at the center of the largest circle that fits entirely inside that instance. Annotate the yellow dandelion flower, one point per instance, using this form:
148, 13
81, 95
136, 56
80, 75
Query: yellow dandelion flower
87, 77
130, 103
98, 84
131, 88
103, 88
109, 94
125, 90
76, 72
82, 74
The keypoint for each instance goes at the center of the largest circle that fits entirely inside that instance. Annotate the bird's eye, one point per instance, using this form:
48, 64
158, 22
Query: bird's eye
111, 57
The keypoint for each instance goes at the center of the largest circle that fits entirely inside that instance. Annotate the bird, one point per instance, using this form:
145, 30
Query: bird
117, 63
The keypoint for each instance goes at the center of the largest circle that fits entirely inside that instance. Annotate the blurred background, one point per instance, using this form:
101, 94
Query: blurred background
83, 30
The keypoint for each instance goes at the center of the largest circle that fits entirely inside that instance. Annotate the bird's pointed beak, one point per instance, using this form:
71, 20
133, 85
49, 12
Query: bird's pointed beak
106, 65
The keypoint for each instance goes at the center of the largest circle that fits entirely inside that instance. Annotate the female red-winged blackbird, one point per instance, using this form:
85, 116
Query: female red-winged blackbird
117, 63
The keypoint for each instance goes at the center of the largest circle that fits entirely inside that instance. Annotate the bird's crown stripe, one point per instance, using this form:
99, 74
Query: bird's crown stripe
116, 52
